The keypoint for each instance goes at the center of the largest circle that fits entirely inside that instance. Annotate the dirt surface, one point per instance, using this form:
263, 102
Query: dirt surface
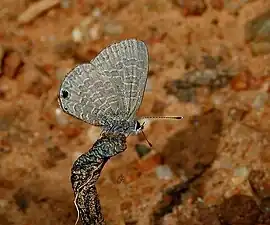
209, 62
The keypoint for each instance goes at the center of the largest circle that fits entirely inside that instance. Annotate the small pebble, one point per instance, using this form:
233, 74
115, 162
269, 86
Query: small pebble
241, 172
218, 99
60, 117
142, 150
77, 35
65, 4
191, 7
259, 101
241, 81
51, 38
3, 203
217, 4
93, 133
86, 22
94, 32
164, 172
96, 12
224, 163
113, 29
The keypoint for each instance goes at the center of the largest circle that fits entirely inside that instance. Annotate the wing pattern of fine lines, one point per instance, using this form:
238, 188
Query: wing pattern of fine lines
126, 64
89, 96
110, 87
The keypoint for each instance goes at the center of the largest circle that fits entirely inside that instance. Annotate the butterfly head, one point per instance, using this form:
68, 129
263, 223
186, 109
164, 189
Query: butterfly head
138, 127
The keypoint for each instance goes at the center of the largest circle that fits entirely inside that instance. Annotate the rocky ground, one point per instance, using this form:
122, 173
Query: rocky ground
209, 62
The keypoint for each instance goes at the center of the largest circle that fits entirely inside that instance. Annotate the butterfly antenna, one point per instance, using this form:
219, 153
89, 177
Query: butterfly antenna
163, 117
158, 117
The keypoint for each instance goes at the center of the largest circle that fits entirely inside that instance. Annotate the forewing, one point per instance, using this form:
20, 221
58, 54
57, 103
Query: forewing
126, 64
88, 95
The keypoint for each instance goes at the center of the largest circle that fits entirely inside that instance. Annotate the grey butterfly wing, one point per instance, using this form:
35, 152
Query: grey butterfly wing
89, 96
126, 64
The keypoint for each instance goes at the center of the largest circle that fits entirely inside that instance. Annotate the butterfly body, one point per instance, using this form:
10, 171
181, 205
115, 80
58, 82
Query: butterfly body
132, 127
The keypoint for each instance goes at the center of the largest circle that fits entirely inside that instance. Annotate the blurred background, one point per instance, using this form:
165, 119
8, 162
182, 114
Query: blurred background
209, 62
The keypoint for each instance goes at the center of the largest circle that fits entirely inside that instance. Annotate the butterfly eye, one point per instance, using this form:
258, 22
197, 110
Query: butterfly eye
64, 94
138, 126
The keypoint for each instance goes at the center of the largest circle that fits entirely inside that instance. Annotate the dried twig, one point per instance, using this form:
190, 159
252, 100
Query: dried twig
36, 9
85, 173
